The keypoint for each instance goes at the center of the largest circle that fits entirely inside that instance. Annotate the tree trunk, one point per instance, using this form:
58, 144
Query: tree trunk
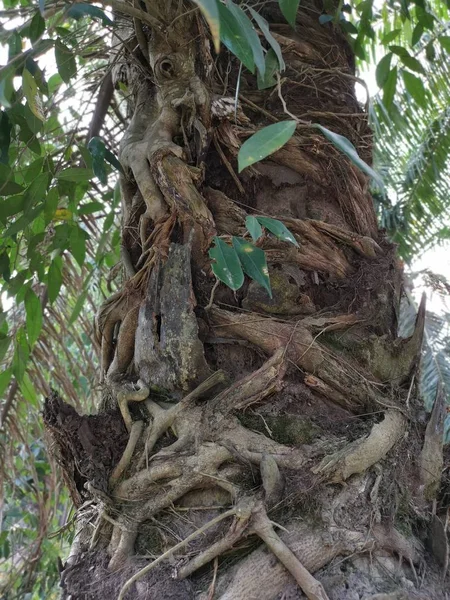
250, 447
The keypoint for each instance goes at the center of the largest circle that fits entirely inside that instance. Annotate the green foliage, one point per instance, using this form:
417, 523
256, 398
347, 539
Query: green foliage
264, 142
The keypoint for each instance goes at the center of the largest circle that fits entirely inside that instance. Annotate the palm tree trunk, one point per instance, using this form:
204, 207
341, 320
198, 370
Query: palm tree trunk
247, 446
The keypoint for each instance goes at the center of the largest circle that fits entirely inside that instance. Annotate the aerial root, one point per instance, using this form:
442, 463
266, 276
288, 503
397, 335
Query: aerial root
262, 526
360, 455
163, 419
174, 549
122, 465
125, 395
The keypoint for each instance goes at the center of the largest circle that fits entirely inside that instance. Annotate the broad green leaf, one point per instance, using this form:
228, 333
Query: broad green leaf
32, 95
253, 261
7, 88
54, 279
253, 227
227, 267
7, 184
77, 244
5, 267
21, 354
390, 37
272, 66
249, 31
109, 157
278, 228
417, 34
210, 11
33, 311
444, 40
430, 51
90, 207
5, 378
347, 148
15, 45
36, 190
389, 88
75, 174
27, 389
264, 26
264, 142
414, 86
323, 19
65, 61
413, 64
383, 69
5, 342
289, 8
79, 304
234, 38
22, 222
97, 149
82, 9
54, 83
51, 204
37, 27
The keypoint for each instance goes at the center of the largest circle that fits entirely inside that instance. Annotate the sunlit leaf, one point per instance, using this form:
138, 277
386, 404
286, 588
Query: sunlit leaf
77, 244
278, 228
227, 267
414, 86
28, 391
253, 261
347, 148
383, 69
264, 142
5, 378
247, 29
5, 342
32, 95
75, 174
37, 27
97, 149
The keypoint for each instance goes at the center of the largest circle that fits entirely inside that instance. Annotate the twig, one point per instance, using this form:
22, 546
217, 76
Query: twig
135, 434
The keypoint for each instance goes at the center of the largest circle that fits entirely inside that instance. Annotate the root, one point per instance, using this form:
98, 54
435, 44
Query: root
125, 395
262, 526
135, 434
171, 551
358, 456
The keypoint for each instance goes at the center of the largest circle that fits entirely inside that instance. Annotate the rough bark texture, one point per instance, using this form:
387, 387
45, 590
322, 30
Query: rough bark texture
249, 447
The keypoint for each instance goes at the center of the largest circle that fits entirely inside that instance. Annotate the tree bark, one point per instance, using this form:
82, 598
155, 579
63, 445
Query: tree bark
249, 447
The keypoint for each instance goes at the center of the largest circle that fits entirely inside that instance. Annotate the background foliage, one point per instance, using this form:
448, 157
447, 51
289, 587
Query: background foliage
59, 209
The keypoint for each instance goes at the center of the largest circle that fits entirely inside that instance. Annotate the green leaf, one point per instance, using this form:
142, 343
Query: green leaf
5, 342
347, 148
272, 66
81, 9
37, 27
412, 63
33, 312
77, 244
109, 157
389, 88
383, 69
278, 228
90, 207
390, 37
79, 304
253, 227
227, 267
417, 34
249, 31
264, 142
21, 354
264, 26
97, 149
5, 378
234, 38
36, 190
8, 186
414, 86
5, 268
51, 204
32, 95
210, 11
430, 51
54, 279
289, 8
253, 261
27, 389
444, 40
75, 174
65, 61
